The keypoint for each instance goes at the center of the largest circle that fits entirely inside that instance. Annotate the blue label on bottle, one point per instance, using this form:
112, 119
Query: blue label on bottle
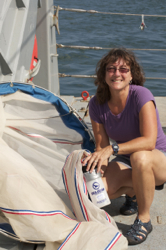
96, 185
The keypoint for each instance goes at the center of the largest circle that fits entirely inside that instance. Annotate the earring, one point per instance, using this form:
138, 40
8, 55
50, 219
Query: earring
130, 82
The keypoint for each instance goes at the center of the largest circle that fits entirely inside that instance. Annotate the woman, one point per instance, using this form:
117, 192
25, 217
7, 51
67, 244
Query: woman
125, 111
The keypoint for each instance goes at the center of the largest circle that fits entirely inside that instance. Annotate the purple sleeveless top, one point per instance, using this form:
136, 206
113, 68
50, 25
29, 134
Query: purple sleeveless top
125, 126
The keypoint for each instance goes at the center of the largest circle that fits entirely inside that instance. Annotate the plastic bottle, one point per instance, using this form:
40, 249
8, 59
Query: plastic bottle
96, 188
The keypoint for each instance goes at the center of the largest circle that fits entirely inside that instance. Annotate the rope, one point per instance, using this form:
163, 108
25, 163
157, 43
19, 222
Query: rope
100, 48
107, 13
155, 78
78, 76
94, 76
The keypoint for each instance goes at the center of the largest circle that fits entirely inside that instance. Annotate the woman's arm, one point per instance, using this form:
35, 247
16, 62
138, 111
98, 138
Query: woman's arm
100, 135
148, 131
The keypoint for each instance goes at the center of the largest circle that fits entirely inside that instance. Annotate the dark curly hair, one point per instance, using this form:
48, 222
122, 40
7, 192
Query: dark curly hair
103, 93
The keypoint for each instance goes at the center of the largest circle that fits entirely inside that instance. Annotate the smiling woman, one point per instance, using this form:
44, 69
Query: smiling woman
107, 72
126, 112
118, 76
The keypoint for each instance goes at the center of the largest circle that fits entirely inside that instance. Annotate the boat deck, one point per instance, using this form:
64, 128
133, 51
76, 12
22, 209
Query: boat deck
157, 238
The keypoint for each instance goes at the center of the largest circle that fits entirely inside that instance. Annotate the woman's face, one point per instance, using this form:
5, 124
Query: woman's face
118, 75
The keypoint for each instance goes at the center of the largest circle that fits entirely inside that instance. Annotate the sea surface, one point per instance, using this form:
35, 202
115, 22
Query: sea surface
108, 31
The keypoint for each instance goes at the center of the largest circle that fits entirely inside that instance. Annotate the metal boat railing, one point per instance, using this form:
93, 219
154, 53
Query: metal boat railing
57, 8
107, 13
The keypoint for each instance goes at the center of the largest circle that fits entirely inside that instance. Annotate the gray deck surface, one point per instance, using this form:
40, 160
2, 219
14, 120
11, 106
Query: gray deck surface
157, 238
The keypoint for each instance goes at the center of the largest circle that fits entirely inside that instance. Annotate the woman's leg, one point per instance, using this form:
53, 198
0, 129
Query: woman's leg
118, 180
148, 170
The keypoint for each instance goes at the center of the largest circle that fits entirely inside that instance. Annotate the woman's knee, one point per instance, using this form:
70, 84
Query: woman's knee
110, 186
141, 160
116, 177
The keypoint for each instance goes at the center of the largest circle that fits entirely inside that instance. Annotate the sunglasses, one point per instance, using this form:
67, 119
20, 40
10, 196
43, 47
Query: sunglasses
121, 70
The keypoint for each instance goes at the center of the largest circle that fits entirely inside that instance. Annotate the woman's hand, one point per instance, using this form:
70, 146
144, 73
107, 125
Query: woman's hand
103, 149
97, 158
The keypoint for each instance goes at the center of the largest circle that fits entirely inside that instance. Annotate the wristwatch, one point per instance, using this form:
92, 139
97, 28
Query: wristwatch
115, 148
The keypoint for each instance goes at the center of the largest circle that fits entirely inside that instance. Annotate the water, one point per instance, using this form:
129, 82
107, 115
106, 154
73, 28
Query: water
107, 31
